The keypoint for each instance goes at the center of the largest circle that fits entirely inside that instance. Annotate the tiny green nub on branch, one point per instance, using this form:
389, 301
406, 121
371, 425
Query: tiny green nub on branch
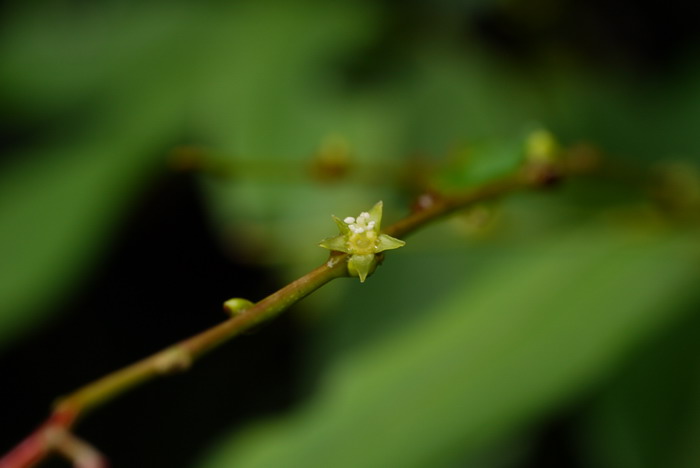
237, 306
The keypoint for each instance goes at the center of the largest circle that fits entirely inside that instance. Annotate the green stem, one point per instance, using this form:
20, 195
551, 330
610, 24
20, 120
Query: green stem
443, 206
180, 356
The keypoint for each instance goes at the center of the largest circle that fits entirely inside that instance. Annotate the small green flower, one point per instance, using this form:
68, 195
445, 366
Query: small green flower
360, 237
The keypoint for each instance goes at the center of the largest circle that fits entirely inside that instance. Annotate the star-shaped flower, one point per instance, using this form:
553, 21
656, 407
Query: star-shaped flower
360, 237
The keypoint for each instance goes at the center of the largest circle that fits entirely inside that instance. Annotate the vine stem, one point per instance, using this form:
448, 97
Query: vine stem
54, 435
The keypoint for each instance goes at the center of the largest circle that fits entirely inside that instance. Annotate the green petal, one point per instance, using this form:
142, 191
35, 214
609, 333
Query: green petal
362, 265
335, 243
344, 229
375, 214
386, 242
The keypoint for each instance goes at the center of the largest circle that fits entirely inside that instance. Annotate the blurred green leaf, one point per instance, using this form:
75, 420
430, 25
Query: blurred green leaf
56, 214
538, 327
480, 164
649, 415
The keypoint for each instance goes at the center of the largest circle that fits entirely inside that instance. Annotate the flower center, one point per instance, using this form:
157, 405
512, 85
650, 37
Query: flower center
363, 239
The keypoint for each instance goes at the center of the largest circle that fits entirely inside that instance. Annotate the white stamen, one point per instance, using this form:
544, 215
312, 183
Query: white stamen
364, 214
349, 220
359, 230
371, 225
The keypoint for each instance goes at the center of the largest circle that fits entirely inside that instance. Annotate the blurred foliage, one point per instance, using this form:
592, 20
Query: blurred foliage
481, 358
649, 415
292, 111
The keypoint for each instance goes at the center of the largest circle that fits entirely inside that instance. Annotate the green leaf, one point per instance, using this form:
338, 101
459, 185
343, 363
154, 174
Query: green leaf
481, 163
649, 415
57, 212
537, 328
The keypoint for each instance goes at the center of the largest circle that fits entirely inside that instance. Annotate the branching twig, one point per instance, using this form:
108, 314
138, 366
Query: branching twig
55, 434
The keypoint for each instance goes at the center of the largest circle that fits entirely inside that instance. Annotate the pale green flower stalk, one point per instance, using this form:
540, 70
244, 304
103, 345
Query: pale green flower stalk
361, 239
